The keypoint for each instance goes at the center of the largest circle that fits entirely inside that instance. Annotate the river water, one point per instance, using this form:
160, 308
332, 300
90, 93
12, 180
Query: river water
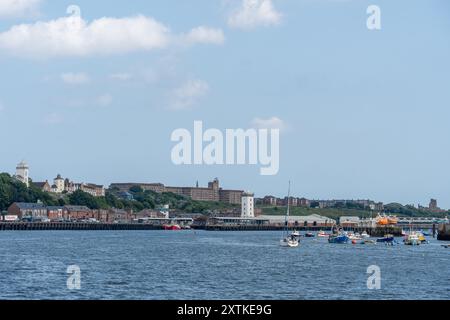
213, 265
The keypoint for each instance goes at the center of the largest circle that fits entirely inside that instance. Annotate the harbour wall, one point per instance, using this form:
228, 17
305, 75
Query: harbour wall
444, 232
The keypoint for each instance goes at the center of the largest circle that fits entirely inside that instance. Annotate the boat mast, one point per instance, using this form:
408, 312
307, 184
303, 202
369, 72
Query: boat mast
288, 207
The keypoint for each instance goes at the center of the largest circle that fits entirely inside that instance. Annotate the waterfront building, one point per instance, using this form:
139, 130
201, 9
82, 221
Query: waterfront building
28, 210
349, 221
248, 205
433, 204
22, 173
78, 212
56, 212
313, 220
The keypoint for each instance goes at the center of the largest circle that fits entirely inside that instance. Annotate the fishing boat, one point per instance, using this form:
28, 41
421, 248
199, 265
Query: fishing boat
413, 239
338, 238
388, 238
289, 240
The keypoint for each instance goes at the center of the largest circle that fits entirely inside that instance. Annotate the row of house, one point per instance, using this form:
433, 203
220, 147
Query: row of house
38, 211
61, 185
307, 203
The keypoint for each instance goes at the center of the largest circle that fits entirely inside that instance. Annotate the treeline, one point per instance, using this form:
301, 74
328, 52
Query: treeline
410, 211
12, 190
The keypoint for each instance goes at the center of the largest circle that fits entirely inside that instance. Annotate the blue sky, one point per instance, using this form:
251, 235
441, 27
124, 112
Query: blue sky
365, 114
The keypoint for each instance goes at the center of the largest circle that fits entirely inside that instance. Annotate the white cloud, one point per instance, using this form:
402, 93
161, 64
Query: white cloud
104, 100
53, 118
121, 76
75, 78
205, 35
73, 36
15, 8
270, 123
188, 94
255, 13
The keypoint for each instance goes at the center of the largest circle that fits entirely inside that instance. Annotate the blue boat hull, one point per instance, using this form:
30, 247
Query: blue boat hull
338, 239
390, 239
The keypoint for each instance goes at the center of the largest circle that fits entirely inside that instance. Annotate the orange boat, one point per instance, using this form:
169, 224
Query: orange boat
386, 220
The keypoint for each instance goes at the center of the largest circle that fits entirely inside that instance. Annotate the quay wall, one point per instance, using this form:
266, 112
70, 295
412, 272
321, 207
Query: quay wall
30, 226
444, 232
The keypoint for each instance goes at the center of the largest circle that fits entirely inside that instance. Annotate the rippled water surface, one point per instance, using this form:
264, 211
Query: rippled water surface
213, 265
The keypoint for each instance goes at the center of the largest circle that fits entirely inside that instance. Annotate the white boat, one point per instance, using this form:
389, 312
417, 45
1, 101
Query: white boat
289, 240
322, 234
365, 235
355, 237
413, 239
295, 233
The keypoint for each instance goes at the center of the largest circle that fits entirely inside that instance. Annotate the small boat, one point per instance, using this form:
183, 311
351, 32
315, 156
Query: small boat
426, 234
368, 242
309, 235
172, 227
355, 237
413, 239
338, 238
289, 240
388, 238
295, 233
322, 234
365, 235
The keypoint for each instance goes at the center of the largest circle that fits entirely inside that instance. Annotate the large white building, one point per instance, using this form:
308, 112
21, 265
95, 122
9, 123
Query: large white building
248, 205
59, 185
22, 173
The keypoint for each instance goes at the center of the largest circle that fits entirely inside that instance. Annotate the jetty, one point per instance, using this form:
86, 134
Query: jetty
444, 232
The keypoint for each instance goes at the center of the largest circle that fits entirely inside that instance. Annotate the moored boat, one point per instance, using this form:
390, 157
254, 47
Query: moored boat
355, 237
172, 227
289, 240
338, 238
388, 238
322, 234
365, 235
413, 239
309, 235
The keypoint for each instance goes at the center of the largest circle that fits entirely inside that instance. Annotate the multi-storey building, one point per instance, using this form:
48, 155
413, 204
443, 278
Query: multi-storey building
212, 193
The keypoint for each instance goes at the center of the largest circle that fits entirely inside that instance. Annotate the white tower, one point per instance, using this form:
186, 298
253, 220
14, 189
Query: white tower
248, 208
22, 173
59, 183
